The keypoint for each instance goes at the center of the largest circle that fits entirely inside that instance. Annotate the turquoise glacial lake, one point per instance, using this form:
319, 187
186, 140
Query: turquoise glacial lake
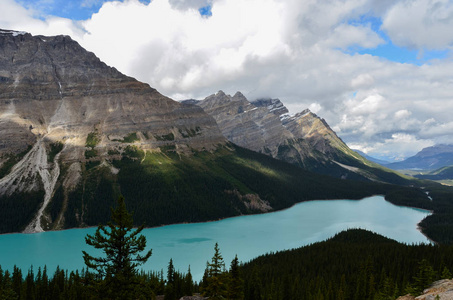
246, 236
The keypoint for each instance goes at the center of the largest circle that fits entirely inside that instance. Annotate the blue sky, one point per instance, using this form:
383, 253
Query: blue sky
379, 72
79, 9
388, 50
74, 9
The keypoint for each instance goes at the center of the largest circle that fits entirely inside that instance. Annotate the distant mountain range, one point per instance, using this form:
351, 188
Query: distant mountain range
373, 159
430, 158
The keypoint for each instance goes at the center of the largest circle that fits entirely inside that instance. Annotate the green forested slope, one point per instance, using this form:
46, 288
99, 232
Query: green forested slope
443, 173
165, 188
355, 264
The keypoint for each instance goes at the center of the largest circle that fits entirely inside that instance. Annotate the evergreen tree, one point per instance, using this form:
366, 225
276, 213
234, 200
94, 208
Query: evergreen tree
170, 287
446, 274
188, 284
215, 288
122, 246
204, 279
236, 284
6, 287
424, 277
17, 281
171, 272
30, 285
217, 265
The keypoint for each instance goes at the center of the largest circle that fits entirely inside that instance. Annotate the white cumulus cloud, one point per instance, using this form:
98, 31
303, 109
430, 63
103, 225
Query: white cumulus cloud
420, 24
298, 51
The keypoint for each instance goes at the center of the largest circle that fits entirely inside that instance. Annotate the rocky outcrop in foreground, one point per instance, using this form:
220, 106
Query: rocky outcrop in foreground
439, 290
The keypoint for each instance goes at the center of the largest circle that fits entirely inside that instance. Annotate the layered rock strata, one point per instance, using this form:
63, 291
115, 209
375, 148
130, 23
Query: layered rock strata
265, 126
61, 107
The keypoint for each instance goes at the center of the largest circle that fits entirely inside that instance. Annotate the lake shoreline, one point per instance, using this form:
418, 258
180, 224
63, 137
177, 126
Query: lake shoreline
242, 215
250, 236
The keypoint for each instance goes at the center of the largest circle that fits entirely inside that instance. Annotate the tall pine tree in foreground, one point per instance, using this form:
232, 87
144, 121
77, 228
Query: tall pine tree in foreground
121, 245
216, 276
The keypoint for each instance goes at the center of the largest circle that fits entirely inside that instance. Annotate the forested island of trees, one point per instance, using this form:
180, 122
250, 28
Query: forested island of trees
355, 264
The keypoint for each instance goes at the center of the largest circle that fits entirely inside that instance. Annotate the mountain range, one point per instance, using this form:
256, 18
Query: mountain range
430, 158
77, 133
303, 139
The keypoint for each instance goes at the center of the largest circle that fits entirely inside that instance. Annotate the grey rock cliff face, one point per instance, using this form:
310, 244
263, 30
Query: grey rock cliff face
51, 87
441, 290
245, 124
265, 126
274, 106
54, 93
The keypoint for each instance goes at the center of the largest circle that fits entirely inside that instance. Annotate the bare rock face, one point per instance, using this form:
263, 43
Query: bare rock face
60, 106
265, 126
317, 133
439, 290
245, 124
52, 88
274, 106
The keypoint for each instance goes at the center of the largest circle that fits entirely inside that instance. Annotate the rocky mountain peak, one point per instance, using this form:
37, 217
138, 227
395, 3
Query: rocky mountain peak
266, 126
220, 93
51, 86
243, 123
61, 108
43, 68
239, 97
12, 32
273, 105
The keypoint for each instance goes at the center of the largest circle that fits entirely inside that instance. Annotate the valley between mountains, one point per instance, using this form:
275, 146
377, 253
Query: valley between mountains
76, 133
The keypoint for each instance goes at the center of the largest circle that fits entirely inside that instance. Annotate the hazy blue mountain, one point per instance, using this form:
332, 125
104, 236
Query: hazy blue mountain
373, 159
430, 158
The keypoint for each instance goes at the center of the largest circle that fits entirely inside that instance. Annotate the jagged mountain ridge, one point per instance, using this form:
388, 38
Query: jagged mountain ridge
303, 139
245, 124
76, 133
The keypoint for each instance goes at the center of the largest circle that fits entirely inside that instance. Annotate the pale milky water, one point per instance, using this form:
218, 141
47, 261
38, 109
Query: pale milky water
246, 236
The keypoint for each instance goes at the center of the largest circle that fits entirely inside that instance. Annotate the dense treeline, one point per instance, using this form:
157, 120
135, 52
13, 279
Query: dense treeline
217, 282
17, 210
355, 264
75, 285
439, 225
